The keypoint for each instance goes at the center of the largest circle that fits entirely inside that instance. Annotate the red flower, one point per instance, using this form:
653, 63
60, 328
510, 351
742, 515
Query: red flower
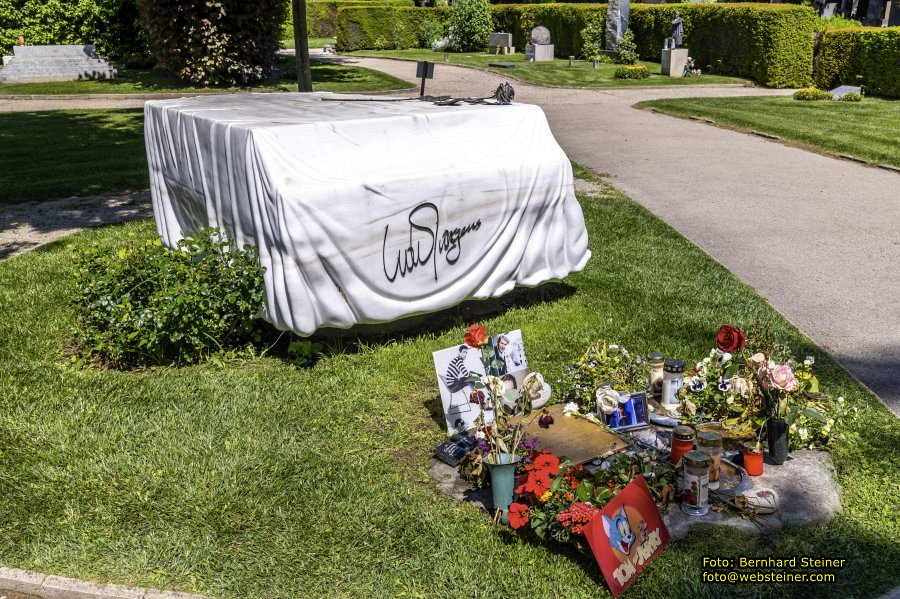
730, 339
537, 483
477, 336
518, 515
477, 397
547, 462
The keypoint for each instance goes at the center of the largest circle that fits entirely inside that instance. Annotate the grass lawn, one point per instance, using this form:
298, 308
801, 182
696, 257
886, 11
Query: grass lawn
869, 129
314, 42
326, 77
255, 478
557, 73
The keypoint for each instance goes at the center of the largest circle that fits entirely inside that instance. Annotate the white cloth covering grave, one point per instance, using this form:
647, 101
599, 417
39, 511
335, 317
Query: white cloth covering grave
366, 211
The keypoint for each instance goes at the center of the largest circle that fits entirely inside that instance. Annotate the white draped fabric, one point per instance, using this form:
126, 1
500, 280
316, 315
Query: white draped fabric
366, 211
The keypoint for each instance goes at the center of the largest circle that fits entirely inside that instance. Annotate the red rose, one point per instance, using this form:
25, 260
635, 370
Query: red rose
730, 339
518, 515
477, 336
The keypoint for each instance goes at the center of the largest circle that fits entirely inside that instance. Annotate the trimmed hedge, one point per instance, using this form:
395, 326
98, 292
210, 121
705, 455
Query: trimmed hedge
868, 56
321, 15
565, 22
770, 43
383, 27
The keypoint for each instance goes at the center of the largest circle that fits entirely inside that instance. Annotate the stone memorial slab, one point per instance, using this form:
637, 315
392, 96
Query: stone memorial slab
616, 22
805, 492
502, 43
673, 61
34, 64
539, 52
839, 92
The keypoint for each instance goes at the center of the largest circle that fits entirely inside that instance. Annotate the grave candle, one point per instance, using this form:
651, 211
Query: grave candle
695, 485
710, 443
673, 379
753, 459
656, 374
682, 442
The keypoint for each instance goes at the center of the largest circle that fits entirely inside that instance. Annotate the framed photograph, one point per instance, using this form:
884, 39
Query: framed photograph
631, 412
455, 365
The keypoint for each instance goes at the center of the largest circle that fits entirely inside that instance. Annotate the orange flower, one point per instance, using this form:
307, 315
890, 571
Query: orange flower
477, 336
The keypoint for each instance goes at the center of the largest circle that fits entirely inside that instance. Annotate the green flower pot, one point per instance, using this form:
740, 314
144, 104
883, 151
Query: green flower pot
503, 481
777, 435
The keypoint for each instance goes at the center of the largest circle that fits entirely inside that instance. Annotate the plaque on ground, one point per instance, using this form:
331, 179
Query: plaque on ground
34, 64
574, 437
502, 65
839, 92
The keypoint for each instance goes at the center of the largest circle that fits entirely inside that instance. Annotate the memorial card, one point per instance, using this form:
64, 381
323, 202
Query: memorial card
456, 365
627, 535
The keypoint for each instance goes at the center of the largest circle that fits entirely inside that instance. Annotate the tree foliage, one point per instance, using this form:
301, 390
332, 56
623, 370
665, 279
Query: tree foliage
470, 25
214, 42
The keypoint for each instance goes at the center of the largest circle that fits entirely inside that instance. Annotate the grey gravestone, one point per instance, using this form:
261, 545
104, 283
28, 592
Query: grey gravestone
616, 22
540, 49
502, 43
839, 92
31, 64
829, 10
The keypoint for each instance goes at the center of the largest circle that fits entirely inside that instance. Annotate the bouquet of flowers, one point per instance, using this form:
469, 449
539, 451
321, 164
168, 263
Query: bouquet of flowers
602, 363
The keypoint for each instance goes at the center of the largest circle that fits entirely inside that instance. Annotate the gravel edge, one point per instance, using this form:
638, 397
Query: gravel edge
45, 586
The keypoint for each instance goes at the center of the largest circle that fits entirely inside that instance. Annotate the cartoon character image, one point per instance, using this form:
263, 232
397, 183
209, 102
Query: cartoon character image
618, 530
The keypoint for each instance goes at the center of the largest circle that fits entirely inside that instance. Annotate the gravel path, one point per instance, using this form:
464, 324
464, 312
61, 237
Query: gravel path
816, 236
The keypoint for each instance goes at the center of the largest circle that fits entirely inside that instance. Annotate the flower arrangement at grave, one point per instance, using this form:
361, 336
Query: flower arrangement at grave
601, 363
556, 498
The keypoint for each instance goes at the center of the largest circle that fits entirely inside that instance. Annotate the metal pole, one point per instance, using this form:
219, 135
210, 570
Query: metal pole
301, 45
422, 91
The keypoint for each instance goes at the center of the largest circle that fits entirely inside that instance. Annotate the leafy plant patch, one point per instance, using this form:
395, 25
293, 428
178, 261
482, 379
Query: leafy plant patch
142, 304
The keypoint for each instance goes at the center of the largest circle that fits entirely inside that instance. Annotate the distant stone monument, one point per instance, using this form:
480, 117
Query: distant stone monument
33, 64
674, 58
501, 43
616, 22
540, 49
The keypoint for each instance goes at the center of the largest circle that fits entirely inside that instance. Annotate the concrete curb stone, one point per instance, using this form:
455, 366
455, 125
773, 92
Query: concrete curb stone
34, 584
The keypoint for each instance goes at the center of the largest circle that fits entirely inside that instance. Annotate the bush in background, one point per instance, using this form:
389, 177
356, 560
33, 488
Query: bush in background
866, 56
142, 304
430, 32
566, 23
383, 27
214, 42
626, 50
770, 43
851, 97
811, 94
113, 26
594, 37
470, 25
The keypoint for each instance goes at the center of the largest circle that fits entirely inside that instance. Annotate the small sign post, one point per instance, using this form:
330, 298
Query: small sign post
424, 70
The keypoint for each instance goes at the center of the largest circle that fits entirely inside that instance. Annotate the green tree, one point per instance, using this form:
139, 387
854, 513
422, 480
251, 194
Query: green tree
470, 25
626, 50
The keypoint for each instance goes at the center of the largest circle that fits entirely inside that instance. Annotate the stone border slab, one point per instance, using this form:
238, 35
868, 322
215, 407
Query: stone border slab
46, 586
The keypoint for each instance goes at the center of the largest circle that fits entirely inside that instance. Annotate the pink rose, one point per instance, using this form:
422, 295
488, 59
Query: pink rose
783, 378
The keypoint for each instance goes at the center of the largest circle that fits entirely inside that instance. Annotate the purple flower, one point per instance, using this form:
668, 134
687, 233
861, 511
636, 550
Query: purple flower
724, 385
529, 444
545, 421
483, 446
477, 397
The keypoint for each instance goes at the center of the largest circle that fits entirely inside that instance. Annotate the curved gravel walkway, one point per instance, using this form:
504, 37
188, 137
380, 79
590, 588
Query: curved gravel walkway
814, 235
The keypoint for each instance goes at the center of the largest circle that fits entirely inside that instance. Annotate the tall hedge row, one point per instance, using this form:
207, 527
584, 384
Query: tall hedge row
770, 43
565, 22
384, 27
868, 56
321, 15
112, 25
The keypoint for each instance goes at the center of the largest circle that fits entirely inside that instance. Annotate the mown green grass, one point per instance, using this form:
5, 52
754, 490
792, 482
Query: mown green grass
314, 42
326, 77
868, 129
255, 478
556, 73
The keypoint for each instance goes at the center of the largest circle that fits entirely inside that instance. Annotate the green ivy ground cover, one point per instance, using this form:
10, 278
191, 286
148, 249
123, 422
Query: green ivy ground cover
254, 478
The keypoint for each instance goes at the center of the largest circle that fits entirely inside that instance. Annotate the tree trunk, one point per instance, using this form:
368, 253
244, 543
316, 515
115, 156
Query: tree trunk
301, 45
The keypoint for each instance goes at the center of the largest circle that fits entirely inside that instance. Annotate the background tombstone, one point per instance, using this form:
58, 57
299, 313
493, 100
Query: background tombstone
616, 22
55, 63
540, 49
501, 43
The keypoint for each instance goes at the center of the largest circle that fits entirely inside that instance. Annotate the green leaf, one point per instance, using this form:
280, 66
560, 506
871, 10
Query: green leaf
585, 491
813, 385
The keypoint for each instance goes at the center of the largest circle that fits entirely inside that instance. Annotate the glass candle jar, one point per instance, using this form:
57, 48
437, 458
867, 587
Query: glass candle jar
695, 484
656, 362
711, 444
673, 379
753, 458
682, 441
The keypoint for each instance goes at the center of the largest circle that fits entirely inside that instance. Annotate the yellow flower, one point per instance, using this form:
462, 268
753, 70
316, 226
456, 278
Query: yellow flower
546, 496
